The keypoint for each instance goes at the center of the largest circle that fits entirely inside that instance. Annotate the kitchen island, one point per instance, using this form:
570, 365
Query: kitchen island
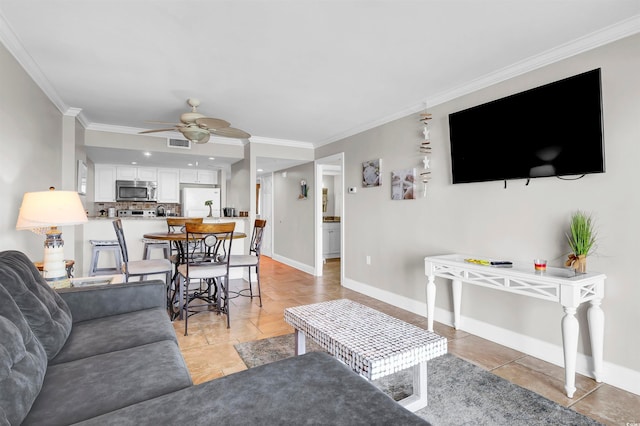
101, 228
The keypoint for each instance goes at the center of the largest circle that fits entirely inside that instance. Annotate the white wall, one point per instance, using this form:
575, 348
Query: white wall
520, 222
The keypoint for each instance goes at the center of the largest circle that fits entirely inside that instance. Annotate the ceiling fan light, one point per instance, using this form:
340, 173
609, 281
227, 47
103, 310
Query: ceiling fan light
195, 134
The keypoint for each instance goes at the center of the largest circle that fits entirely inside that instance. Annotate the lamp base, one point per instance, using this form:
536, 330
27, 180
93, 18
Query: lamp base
54, 268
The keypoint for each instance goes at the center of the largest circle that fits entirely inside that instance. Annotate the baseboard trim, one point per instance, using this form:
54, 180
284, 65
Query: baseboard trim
614, 375
295, 264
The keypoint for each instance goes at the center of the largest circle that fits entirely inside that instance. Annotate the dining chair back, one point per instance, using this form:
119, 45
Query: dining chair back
176, 224
252, 260
140, 268
207, 255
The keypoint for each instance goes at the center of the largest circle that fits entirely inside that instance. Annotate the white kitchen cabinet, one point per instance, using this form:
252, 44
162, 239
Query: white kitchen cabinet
136, 173
331, 240
168, 186
105, 183
207, 177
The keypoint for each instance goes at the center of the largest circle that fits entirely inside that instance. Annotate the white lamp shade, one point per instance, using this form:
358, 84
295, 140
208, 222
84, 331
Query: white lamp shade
50, 208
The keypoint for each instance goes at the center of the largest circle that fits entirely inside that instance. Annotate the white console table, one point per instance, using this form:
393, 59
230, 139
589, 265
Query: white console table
555, 284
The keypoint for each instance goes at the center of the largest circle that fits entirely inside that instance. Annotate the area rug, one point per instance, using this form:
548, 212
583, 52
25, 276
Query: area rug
459, 392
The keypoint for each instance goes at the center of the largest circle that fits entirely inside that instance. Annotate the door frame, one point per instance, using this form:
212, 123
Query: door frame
318, 172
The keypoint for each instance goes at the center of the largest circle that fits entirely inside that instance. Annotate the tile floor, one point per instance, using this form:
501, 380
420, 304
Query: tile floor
209, 352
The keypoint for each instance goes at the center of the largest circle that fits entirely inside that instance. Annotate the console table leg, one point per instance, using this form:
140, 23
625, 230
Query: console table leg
300, 342
431, 301
570, 329
595, 318
456, 287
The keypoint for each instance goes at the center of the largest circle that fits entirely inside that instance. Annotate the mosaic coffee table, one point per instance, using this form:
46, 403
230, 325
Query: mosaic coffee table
371, 343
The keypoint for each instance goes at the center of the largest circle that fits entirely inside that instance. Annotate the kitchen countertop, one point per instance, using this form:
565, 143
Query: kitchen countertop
161, 218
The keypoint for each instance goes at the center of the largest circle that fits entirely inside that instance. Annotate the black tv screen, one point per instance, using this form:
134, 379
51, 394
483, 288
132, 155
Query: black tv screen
551, 130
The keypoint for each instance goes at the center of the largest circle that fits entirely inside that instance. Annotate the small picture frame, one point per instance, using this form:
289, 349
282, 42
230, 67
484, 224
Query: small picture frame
403, 184
82, 177
371, 173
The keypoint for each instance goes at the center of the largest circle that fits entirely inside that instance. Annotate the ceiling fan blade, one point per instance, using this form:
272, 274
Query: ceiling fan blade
212, 123
230, 132
157, 130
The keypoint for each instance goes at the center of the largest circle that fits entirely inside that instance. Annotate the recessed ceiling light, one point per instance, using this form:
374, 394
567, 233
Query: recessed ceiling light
147, 154
212, 158
260, 170
189, 164
134, 162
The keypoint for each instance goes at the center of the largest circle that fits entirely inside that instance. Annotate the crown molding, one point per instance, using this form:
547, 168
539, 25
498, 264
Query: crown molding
617, 31
281, 142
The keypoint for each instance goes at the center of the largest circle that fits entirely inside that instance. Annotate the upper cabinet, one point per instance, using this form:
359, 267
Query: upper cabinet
168, 186
105, 183
207, 177
136, 173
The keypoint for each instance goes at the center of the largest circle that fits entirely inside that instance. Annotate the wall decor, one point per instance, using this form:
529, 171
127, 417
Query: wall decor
403, 184
82, 178
425, 150
304, 190
371, 173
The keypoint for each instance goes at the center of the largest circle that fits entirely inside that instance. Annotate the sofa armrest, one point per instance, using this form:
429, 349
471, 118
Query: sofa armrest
92, 302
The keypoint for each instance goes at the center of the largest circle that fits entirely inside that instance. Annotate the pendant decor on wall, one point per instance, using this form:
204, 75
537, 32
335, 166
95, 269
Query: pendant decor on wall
425, 151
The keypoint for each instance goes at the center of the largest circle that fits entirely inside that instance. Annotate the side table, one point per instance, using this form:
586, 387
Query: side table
68, 264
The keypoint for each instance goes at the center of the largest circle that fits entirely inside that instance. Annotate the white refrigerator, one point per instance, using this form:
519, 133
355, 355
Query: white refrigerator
193, 202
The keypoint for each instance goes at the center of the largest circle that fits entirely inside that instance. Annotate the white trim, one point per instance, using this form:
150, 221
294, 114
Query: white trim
615, 375
281, 142
294, 264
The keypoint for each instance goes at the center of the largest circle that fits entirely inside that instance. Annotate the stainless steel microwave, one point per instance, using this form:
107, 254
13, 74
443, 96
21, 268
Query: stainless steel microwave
136, 190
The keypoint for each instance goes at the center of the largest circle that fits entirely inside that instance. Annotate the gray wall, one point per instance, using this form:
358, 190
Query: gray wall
521, 222
30, 149
293, 218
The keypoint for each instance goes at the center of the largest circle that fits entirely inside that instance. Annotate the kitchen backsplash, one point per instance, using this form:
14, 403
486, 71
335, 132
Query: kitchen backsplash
101, 209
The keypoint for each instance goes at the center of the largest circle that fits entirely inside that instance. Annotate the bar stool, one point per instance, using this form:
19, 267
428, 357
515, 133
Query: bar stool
98, 246
150, 244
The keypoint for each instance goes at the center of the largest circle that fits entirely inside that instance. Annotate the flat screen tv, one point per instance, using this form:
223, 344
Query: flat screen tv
551, 130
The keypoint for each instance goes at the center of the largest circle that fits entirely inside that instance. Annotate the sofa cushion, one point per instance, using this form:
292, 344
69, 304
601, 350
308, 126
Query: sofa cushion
81, 389
114, 333
314, 388
23, 362
46, 313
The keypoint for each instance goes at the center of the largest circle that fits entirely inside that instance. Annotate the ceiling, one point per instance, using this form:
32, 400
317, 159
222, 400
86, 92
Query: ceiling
296, 71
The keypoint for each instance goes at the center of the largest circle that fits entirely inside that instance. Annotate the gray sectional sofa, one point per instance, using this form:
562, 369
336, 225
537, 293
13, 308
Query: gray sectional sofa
108, 355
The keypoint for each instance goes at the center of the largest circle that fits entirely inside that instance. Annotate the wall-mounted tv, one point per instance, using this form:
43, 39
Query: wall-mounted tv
551, 130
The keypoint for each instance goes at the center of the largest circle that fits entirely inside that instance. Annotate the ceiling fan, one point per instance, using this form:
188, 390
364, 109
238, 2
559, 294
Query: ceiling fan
198, 128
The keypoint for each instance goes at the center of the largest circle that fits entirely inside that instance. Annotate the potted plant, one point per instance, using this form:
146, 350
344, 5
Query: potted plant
582, 239
209, 203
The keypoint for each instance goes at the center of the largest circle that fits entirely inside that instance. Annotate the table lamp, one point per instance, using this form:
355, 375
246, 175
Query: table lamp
42, 212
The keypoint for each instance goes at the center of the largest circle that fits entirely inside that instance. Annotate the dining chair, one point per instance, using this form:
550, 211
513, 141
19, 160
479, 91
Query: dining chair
140, 268
207, 263
176, 225
251, 260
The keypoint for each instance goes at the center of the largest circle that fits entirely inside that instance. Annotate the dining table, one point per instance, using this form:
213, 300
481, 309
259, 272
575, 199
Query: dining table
176, 240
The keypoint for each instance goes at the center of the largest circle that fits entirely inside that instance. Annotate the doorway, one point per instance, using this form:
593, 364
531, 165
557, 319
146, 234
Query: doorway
329, 212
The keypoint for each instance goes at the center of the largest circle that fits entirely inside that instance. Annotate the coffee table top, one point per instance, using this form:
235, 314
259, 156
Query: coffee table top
372, 343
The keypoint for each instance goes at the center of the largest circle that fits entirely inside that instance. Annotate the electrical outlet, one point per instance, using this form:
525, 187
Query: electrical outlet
368, 260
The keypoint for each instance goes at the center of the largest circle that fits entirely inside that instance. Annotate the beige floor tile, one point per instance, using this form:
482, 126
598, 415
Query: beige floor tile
611, 406
483, 353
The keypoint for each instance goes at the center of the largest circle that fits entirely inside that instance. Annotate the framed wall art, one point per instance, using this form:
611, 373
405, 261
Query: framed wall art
403, 184
371, 173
